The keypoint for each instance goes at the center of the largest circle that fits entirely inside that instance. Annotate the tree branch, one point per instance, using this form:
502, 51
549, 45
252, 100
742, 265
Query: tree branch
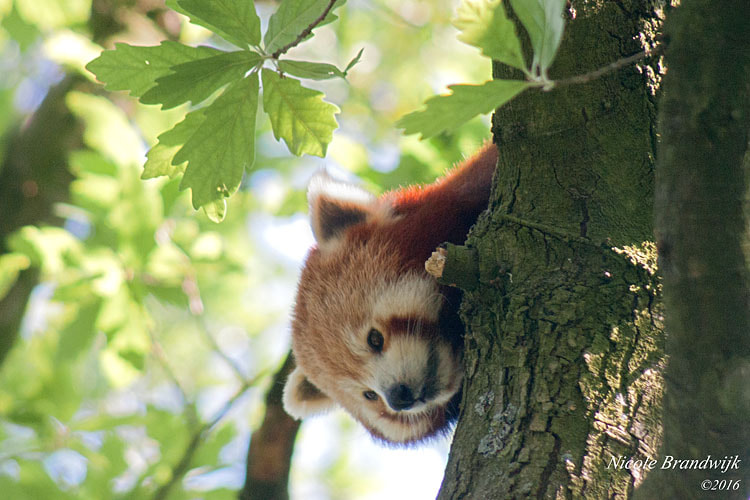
270, 453
183, 466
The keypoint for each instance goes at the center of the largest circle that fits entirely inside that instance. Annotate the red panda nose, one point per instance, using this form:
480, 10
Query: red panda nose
400, 397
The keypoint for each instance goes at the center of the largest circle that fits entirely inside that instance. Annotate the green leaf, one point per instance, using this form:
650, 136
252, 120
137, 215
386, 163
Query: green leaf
159, 158
223, 146
11, 264
355, 60
123, 358
107, 462
80, 331
105, 121
84, 161
298, 115
127, 67
484, 25
292, 18
446, 113
310, 70
47, 247
51, 15
216, 210
20, 30
544, 23
208, 453
233, 20
195, 81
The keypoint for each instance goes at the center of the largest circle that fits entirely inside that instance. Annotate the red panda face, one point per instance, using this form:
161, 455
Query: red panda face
367, 333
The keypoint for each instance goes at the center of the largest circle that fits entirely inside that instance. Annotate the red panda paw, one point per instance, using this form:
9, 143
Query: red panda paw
436, 263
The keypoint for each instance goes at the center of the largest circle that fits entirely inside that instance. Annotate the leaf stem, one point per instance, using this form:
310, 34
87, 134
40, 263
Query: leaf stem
305, 32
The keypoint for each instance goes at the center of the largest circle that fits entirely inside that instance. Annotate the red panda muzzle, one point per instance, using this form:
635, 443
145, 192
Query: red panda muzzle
400, 397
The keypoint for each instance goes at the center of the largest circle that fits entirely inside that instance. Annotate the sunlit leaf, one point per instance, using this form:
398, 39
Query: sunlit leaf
72, 50
310, 70
47, 247
223, 146
119, 372
292, 18
167, 265
106, 269
483, 24
90, 162
216, 210
127, 67
115, 311
233, 20
95, 192
298, 115
195, 81
123, 360
544, 23
159, 158
104, 122
53, 14
208, 246
11, 264
445, 113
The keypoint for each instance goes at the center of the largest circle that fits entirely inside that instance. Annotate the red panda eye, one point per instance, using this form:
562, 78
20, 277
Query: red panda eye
371, 395
375, 340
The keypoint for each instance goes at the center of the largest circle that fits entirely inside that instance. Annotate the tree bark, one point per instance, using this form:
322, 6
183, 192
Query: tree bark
564, 342
701, 229
33, 177
34, 174
269, 455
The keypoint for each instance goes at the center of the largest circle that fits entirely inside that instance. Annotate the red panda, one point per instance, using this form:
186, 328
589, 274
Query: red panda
372, 332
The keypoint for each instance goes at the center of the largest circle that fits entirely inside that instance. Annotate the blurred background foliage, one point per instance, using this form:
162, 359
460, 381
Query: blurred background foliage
137, 338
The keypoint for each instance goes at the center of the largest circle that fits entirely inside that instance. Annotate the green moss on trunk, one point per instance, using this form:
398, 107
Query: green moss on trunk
564, 349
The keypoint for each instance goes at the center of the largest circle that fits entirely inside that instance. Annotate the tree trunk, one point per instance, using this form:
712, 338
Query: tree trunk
33, 177
701, 190
564, 342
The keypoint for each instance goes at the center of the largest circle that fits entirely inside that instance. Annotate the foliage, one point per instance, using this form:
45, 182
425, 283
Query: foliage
131, 258
220, 149
172, 74
485, 25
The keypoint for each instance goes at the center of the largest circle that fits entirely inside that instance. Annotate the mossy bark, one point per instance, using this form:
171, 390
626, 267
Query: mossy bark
564, 342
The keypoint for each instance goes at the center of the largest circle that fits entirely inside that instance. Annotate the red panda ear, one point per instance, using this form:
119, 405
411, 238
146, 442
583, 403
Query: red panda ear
302, 399
335, 206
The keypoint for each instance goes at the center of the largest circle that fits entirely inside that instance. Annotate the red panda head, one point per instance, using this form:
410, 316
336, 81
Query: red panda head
369, 332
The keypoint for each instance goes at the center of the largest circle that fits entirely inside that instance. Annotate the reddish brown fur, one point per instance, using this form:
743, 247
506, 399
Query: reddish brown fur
393, 238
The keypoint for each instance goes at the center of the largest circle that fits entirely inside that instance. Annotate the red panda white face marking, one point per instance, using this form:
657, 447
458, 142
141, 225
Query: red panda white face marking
372, 332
